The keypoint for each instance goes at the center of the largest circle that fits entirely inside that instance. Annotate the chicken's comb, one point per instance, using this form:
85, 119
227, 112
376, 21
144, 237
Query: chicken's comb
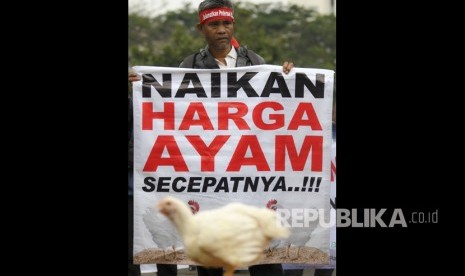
270, 203
194, 205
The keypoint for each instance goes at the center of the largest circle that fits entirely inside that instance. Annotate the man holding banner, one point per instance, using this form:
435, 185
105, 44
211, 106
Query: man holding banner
216, 23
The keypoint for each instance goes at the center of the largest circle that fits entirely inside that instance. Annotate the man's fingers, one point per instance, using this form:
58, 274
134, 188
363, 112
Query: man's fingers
290, 66
287, 67
134, 77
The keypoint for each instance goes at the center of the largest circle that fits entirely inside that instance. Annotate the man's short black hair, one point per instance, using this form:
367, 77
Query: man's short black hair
211, 4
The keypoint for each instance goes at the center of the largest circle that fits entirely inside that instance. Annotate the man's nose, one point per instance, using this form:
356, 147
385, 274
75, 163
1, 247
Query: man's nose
221, 28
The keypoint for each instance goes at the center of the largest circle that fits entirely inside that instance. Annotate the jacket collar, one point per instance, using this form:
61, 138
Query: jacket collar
210, 62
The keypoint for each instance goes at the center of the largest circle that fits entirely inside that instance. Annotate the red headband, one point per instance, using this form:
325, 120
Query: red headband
216, 14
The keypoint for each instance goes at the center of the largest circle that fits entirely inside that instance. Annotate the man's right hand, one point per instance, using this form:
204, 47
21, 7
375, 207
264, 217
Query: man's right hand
134, 77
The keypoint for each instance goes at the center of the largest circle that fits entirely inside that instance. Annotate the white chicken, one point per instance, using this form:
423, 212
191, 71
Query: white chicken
166, 238
299, 237
232, 236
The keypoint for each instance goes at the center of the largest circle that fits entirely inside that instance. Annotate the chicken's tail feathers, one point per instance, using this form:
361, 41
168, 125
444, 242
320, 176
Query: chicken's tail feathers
149, 220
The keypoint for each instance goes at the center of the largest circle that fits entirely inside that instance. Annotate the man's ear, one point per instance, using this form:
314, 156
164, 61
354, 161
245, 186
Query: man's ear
199, 27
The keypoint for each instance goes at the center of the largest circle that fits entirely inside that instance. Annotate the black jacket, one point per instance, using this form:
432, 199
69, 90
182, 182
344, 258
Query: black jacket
204, 59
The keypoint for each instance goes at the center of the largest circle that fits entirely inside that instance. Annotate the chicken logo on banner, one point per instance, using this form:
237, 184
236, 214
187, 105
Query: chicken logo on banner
299, 235
273, 205
166, 238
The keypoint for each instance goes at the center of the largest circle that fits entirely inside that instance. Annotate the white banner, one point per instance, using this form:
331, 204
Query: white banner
246, 134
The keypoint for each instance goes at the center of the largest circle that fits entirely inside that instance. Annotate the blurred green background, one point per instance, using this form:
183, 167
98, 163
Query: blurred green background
276, 31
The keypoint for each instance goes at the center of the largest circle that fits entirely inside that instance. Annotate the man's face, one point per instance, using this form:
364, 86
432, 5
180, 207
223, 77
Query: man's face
218, 33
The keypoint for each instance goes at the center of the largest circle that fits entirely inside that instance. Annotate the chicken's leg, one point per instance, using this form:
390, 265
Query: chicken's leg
229, 271
174, 251
298, 249
287, 255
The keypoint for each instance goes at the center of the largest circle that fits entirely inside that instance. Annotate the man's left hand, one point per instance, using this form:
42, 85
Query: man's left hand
287, 66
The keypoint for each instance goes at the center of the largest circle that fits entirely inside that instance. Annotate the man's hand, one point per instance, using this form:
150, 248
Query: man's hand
287, 66
133, 77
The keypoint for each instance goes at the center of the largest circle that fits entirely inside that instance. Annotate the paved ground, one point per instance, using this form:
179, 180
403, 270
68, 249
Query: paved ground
186, 272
